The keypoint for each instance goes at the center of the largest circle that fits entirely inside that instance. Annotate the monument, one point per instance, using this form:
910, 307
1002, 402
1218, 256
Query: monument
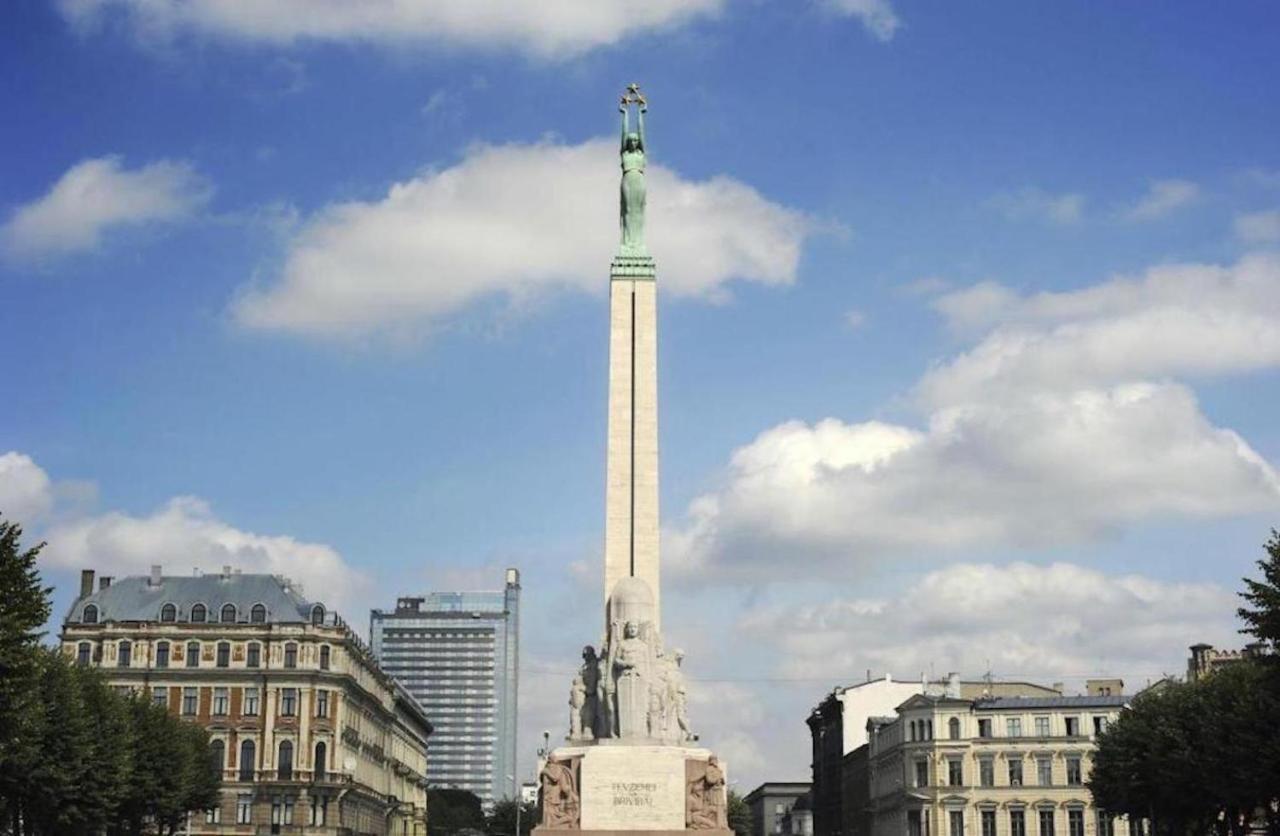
631, 763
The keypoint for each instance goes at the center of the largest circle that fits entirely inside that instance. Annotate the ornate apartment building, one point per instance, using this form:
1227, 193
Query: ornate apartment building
996, 766
313, 737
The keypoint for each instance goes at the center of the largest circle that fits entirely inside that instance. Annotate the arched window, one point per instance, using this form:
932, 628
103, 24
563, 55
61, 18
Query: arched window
193, 654
321, 752
284, 763
953, 728
84, 654
198, 614
224, 654
253, 655
162, 654
291, 655
124, 654
90, 615
928, 729
246, 760
168, 613
228, 613
911, 731
258, 614
324, 657
218, 754
317, 614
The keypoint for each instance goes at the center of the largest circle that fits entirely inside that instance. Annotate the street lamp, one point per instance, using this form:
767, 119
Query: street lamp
519, 803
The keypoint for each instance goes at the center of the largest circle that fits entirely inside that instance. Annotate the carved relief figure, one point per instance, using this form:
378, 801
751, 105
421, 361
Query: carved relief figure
590, 675
577, 706
705, 801
678, 697
559, 796
630, 665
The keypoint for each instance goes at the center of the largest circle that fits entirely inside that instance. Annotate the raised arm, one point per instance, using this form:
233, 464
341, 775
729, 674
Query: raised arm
640, 121
622, 108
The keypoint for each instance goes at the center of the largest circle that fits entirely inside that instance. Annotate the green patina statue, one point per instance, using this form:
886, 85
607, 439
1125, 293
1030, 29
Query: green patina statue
633, 191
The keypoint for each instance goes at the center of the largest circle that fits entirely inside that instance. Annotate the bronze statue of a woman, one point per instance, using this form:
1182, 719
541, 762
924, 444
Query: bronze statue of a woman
633, 191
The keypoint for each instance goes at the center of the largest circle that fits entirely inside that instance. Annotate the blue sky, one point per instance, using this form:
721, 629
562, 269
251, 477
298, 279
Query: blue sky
970, 320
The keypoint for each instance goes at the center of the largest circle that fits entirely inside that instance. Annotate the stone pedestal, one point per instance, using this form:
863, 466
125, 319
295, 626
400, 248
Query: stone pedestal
634, 789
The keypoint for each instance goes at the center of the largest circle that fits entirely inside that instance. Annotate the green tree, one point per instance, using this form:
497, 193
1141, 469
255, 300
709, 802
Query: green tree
739, 814
502, 820
451, 812
1262, 619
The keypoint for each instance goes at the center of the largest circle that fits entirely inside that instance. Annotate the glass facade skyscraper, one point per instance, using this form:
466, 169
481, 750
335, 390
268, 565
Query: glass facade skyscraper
458, 654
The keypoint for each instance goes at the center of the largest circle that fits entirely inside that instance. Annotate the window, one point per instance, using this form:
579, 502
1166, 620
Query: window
218, 753
228, 614
984, 727
1106, 824
1073, 726
188, 701
1017, 823
288, 702
168, 613
1042, 727
914, 827
324, 657
213, 815
957, 822
124, 654
955, 773
1013, 727
1075, 822
291, 655
986, 772
928, 729
199, 614
253, 658
1099, 725
244, 808
193, 654
988, 823
250, 702
247, 751
953, 728
1044, 772
922, 773
322, 703
1074, 778
221, 702
1015, 772
84, 654
317, 614
1046, 822
160, 696
319, 765
284, 763
90, 614
162, 654
224, 654
319, 810
258, 614
912, 728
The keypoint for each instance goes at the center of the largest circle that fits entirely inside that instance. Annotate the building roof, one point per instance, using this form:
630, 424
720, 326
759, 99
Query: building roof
140, 598
1117, 701
794, 789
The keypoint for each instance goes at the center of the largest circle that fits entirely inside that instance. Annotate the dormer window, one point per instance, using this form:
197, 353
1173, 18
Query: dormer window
199, 613
258, 615
317, 614
168, 613
90, 614
228, 613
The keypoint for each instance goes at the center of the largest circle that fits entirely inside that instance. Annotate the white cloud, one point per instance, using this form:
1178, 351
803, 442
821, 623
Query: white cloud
855, 318
184, 534
1259, 227
1040, 205
1045, 469
95, 197
876, 16
26, 493
1162, 198
1183, 319
1046, 623
508, 222
548, 28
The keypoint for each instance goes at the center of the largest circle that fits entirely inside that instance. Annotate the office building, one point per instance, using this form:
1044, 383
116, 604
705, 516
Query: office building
771, 804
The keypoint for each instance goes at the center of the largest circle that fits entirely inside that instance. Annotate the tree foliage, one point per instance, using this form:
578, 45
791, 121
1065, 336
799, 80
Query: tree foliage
502, 820
453, 812
75, 756
739, 815
1262, 619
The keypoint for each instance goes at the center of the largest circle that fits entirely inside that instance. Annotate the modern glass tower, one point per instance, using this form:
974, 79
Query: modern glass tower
458, 654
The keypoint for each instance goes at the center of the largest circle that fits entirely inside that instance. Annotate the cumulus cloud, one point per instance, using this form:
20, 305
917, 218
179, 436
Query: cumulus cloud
1163, 197
876, 16
1037, 204
26, 493
506, 222
1046, 623
95, 197
1259, 227
1046, 469
549, 29
1183, 319
184, 535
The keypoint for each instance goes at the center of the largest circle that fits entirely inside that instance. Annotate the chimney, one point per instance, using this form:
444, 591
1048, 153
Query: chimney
1059, 687
86, 583
226, 572
154, 580
103, 583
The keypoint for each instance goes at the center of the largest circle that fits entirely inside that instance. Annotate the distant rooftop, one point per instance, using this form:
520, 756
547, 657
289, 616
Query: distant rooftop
142, 598
1114, 701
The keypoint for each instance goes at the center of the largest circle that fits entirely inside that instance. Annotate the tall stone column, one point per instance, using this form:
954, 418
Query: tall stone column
631, 496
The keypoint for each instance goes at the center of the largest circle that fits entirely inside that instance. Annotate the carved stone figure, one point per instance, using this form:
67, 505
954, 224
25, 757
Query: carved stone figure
587, 711
678, 698
560, 803
630, 666
577, 705
606, 716
705, 801
633, 186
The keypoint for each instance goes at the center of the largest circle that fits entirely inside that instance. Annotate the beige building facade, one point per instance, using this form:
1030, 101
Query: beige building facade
313, 737
994, 766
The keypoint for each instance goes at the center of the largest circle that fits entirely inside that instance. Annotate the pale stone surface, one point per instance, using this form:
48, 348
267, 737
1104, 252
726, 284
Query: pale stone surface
633, 787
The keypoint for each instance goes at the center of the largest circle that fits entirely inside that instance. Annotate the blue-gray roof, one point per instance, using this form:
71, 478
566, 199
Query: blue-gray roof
1055, 702
137, 599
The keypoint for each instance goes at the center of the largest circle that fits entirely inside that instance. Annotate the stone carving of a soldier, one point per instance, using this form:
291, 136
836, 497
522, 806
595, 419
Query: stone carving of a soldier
559, 796
705, 802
